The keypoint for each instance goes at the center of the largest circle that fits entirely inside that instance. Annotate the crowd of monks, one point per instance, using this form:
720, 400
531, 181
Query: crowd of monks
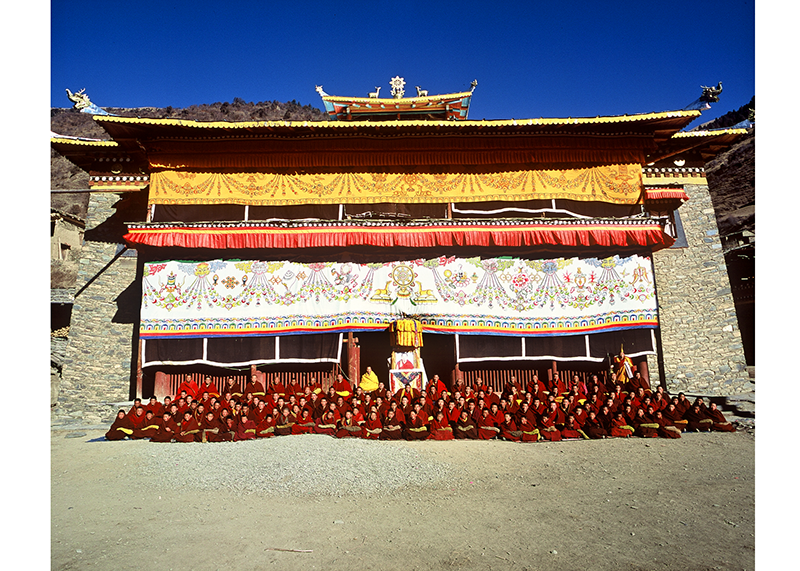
554, 410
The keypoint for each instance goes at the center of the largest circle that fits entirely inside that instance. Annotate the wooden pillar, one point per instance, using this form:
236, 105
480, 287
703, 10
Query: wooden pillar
642, 366
353, 359
161, 386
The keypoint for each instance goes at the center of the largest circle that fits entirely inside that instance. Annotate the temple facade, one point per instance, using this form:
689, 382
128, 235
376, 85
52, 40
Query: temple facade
291, 248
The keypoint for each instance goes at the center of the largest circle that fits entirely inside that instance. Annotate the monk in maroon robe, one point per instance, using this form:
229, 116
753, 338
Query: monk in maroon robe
620, 427
547, 424
466, 428
305, 424
348, 427
372, 427
189, 430
593, 428
644, 426
509, 430
167, 431
719, 422
666, 428
148, 428
571, 430
527, 427
121, 428
697, 421
440, 428
245, 429
210, 428
392, 427
326, 424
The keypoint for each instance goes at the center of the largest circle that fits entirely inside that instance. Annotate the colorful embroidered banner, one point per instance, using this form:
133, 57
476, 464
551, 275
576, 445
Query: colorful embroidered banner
620, 184
502, 296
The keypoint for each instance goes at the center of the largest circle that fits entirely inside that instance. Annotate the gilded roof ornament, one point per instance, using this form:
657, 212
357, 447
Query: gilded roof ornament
711, 94
398, 84
83, 104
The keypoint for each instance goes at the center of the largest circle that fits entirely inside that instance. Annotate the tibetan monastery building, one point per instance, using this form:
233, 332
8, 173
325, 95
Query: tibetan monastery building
291, 248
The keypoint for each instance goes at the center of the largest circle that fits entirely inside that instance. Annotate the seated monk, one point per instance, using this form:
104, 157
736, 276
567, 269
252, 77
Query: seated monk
369, 381
137, 416
305, 424
697, 421
571, 430
295, 389
266, 428
392, 427
254, 387
341, 387
189, 430
528, 430
190, 387
644, 426
415, 428
719, 422
245, 429
149, 427
210, 428
121, 428
167, 431
672, 414
547, 424
440, 427
620, 427
348, 427
232, 386
509, 430
284, 422
209, 387
326, 424
157, 408
372, 428
465, 427
666, 428
593, 428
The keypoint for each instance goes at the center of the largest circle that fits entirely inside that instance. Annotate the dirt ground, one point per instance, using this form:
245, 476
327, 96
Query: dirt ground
633, 504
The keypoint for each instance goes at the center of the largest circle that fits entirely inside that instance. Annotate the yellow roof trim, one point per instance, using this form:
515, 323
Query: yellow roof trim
689, 134
71, 141
357, 124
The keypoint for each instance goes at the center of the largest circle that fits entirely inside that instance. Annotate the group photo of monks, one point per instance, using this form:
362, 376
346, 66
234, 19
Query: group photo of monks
557, 409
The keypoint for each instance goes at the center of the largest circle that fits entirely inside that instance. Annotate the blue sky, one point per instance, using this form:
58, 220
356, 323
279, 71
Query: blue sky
531, 59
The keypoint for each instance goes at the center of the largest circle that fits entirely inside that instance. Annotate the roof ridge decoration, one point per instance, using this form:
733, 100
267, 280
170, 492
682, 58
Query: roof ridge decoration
82, 103
449, 106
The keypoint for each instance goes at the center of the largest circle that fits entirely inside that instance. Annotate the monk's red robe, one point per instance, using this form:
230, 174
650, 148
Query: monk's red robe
166, 432
667, 428
265, 428
620, 428
189, 431
348, 428
234, 388
295, 389
487, 428
392, 429
283, 425
509, 431
190, 387
547, 428
466, 429
304, 425
137, 420
148, 428
245, 430
645, 427
528, 429
719, 422
343, 389
415, 429
210, 388
210, 430
594, 429
254, 388
441, 430
697, 421
120, 428
570, 430
326, 426
157, 408
371, 429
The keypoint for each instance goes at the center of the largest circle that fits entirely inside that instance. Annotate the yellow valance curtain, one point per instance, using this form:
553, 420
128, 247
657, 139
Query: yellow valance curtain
619, 184
406, 333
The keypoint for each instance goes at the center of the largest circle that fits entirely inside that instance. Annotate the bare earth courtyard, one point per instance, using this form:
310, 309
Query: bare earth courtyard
315, 502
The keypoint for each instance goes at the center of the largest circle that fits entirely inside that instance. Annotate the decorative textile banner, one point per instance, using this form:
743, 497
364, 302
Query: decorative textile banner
620, 184
502, 296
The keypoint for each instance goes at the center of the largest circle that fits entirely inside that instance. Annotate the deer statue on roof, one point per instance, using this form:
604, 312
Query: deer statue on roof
421, 92
374, 94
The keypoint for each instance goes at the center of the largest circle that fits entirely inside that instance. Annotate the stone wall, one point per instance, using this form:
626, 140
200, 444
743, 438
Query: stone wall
702, 346
97, 367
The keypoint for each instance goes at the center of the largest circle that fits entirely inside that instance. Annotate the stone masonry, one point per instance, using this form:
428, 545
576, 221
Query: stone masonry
701, 341
97, 368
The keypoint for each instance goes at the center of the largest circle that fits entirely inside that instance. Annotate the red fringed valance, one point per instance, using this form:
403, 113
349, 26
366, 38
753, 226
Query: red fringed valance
345, 234
665, 194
